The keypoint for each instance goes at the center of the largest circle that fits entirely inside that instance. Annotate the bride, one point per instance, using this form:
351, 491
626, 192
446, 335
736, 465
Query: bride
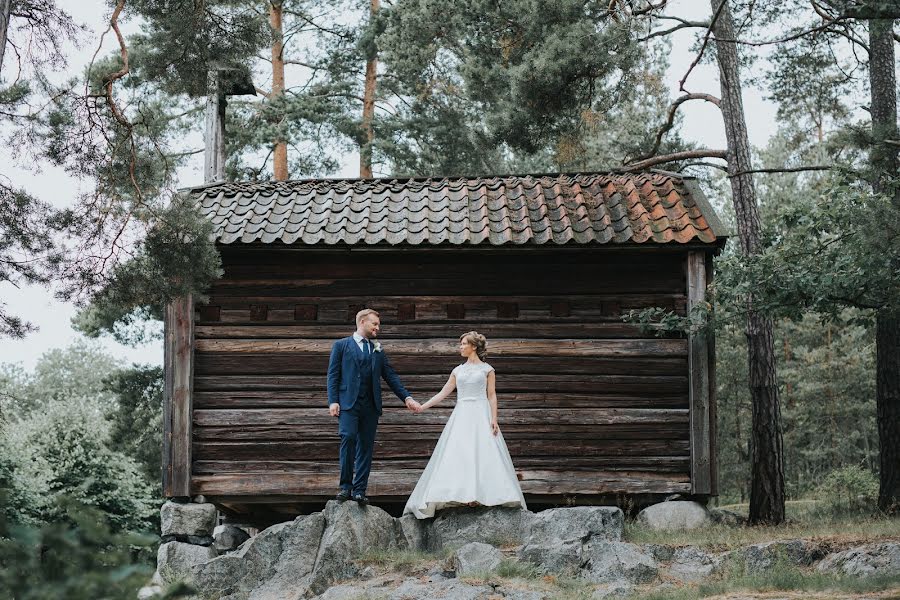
470, 464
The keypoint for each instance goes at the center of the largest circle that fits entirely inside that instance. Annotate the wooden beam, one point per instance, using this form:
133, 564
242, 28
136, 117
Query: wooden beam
178, 402
713, 406
699, 391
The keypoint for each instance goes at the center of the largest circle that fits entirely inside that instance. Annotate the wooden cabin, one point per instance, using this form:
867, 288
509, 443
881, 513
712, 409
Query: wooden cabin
592, 409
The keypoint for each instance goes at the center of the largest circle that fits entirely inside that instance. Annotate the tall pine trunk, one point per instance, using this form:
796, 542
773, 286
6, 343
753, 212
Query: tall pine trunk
766, 446
279, 158
5, 10
885, 166
368, 114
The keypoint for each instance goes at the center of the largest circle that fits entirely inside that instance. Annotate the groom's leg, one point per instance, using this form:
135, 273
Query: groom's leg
365, 448
348, 429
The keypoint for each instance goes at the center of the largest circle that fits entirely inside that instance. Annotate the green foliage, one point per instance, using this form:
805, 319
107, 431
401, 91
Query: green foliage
136, 419
176, 258
849, 489
77, 371
80, 557
62, 451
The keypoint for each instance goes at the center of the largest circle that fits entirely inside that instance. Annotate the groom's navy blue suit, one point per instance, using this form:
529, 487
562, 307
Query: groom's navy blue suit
354, 382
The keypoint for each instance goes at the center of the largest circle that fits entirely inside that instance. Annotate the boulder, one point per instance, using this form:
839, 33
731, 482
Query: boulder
149, 591
676, 515
175, 559
276, 563
615, 589
557, 536
228, 537
609, 561
351, 530
880, 558
759, 557
179, 522
415, 532
689, 564
723, 516
455, 527
475, 558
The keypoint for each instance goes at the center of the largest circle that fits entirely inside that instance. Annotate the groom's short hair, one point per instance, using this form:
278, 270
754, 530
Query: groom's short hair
365, 313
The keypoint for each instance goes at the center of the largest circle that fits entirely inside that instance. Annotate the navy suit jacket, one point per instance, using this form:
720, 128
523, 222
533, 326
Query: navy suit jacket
344, 375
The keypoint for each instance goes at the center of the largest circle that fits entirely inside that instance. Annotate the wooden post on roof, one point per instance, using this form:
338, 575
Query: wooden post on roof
698, 386
214, 132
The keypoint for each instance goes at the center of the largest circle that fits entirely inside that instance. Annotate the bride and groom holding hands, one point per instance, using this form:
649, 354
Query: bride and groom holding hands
470, 464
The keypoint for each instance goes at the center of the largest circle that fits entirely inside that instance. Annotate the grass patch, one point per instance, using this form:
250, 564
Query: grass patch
405, 561
807, 520
781, 577
514, 574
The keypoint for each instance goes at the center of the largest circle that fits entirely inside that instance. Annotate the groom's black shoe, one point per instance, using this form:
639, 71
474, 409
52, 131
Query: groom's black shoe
360, 499
343, 496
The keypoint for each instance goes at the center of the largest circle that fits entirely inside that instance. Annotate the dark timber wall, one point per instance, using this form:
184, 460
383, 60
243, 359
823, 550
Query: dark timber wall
589, 405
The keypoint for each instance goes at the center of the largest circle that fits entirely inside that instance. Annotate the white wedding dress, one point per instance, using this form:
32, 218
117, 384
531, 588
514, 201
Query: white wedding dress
469, 463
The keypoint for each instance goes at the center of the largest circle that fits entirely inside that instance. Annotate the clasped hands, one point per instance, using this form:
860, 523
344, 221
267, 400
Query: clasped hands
413, 405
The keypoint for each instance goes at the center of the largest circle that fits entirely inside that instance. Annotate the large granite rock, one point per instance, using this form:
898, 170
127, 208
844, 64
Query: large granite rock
609, 561
415, 532
475, 558
555, 543
881, 558
723, 516
190, 522
455, 527
674, 515
175, 559
759, 557
228, 537
690, 564
350, 531
275, 564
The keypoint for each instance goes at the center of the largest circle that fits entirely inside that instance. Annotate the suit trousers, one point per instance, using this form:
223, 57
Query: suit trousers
357, 427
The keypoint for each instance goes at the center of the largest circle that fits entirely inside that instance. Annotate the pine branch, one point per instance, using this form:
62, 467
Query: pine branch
675, 156
670, 119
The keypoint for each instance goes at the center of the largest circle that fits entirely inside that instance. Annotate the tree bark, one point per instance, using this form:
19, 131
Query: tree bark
766, 454
279, 156
885, 167
368, 115
5, 10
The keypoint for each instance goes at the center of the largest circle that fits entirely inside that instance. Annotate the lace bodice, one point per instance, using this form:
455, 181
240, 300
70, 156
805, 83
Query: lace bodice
471, 381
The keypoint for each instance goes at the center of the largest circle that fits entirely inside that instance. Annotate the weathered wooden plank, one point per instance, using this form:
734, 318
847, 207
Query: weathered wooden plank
401, 482
424, 445
713, 418
560, 418
428, 385
698, 361
432, 347
674, 464
248, 363
295, 399
393, 331
179, 379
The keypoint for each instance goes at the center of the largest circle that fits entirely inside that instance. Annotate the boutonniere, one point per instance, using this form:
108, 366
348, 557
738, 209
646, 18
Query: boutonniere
377, 347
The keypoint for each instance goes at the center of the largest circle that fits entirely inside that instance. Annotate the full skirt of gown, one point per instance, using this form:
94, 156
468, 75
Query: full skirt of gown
469, 464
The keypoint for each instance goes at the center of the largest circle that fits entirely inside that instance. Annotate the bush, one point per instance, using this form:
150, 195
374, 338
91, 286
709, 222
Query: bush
62, 451
849, 489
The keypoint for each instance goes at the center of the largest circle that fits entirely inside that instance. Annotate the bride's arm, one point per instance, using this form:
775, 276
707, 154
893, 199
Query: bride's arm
492, 398
446, 391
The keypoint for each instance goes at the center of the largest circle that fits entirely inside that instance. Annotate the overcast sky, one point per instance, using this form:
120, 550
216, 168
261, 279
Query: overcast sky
702, 123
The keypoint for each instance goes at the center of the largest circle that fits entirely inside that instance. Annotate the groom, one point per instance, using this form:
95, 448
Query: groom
355, 370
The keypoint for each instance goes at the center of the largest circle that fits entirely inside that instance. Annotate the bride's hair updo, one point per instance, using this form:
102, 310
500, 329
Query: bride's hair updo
478, 341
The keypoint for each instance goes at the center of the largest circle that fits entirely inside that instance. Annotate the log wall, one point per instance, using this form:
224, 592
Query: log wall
588, 404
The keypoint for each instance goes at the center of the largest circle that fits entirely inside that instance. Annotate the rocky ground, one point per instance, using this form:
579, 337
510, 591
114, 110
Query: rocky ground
350, 552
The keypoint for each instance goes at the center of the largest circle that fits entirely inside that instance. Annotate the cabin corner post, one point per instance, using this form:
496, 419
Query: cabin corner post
178, 398
699, 381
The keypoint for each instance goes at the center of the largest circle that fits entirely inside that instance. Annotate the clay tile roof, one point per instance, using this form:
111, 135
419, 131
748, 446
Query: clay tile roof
604, 208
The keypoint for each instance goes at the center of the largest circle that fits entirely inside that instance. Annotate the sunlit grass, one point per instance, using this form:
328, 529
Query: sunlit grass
806, 520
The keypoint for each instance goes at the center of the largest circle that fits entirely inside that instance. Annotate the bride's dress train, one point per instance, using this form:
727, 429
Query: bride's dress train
469, 463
